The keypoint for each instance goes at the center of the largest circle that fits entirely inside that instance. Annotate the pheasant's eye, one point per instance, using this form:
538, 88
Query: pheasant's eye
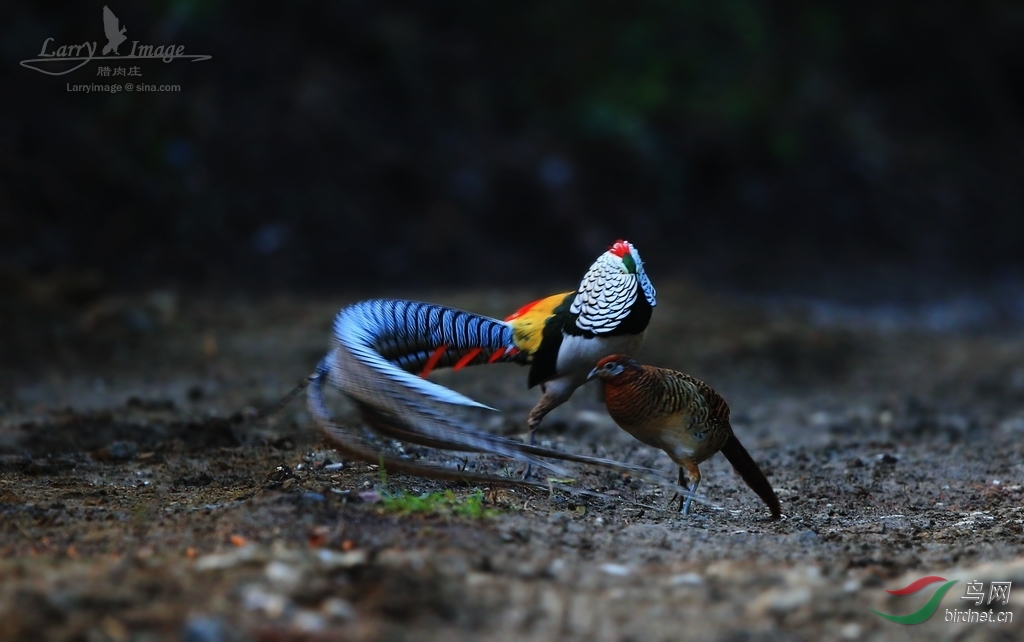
699, 436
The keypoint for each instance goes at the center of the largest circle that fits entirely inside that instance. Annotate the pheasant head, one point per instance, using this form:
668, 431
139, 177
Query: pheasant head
610, 289
617, 368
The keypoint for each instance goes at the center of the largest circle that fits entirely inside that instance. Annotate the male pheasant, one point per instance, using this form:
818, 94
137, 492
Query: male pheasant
381, 345
681, 415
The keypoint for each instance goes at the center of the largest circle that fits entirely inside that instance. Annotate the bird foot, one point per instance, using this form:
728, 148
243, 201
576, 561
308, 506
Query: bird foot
686, 507
684, 504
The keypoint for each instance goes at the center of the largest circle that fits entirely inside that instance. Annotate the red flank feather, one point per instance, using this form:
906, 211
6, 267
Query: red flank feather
469, 356
434, 358
496, 355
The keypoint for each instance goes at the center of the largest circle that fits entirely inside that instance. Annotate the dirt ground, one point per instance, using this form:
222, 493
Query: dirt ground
141, 501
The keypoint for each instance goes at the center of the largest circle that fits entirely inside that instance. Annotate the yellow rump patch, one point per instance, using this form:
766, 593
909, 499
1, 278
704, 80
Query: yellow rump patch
528, 322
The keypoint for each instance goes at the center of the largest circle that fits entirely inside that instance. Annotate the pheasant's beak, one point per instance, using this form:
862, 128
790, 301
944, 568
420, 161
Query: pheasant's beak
592, 375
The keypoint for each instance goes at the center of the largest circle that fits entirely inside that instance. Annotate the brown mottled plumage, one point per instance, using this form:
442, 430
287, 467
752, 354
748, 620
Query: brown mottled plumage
681, 415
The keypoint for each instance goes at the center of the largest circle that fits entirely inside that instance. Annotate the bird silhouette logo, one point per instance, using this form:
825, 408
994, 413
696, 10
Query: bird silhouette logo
114, 37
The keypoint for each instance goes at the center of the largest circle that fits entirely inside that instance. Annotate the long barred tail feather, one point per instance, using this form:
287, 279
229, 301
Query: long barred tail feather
397, 338
351, 443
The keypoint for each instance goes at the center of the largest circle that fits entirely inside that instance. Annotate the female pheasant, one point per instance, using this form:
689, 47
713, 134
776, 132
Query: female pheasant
681, 415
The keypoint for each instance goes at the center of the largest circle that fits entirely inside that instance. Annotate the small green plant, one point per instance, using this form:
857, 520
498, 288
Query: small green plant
436, 503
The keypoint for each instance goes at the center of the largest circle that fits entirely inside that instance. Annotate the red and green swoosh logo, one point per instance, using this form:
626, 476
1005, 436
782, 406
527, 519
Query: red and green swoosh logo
926, 611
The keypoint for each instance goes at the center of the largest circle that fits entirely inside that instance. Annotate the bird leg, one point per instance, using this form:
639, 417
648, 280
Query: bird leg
688, 471
555, 393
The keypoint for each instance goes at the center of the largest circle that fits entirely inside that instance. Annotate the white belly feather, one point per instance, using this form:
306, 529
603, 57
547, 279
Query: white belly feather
577, 356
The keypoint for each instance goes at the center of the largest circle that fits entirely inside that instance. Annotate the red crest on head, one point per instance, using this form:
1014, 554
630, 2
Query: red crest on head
621, 248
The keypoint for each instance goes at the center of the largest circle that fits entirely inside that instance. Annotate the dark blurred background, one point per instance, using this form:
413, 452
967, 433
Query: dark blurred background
756, 146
